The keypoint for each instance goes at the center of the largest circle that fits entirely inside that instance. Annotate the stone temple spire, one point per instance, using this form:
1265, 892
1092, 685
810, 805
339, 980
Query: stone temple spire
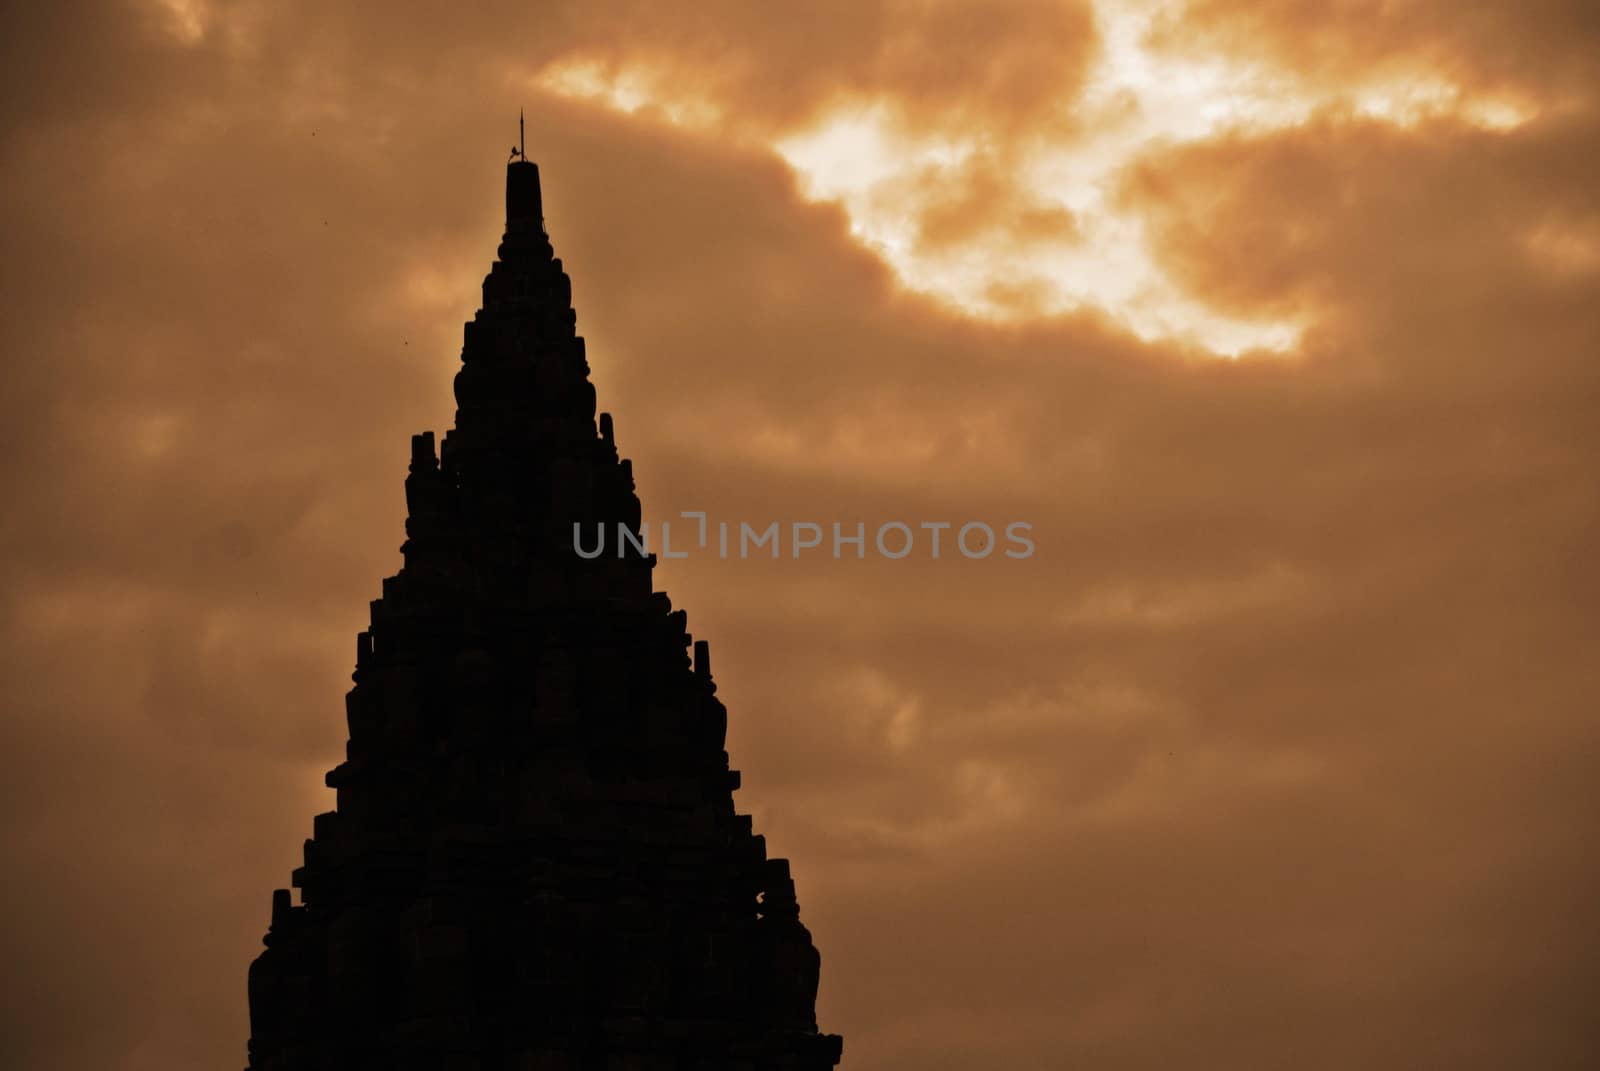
524, 204
534, 863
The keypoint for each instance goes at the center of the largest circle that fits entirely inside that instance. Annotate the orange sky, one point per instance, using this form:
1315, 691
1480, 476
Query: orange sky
1277, 319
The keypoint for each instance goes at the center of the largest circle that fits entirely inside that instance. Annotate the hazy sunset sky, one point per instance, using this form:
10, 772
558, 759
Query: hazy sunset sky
1278, 320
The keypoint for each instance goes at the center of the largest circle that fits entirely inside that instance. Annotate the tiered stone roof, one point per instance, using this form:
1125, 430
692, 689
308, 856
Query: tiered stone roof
535, 862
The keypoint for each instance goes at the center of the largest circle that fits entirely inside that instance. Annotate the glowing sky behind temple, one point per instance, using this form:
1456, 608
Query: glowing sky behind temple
1280, 752
1137, 98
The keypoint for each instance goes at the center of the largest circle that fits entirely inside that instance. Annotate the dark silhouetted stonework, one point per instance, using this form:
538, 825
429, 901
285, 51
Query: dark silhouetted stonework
535, 863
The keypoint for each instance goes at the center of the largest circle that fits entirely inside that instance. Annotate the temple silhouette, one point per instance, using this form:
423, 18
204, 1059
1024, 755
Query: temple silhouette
534, 863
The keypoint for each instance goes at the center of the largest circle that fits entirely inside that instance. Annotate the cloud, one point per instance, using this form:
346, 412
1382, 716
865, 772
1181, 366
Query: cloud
1544, 49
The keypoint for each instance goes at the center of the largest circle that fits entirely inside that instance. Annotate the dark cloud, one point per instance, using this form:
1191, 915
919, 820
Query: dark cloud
1005, 64
1545, 48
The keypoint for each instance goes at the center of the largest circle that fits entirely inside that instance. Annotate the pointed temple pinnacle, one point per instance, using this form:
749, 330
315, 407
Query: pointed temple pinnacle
534, 860
524, 203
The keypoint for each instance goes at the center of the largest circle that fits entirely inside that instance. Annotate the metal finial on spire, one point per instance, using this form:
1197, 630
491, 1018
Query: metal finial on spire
519, 151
